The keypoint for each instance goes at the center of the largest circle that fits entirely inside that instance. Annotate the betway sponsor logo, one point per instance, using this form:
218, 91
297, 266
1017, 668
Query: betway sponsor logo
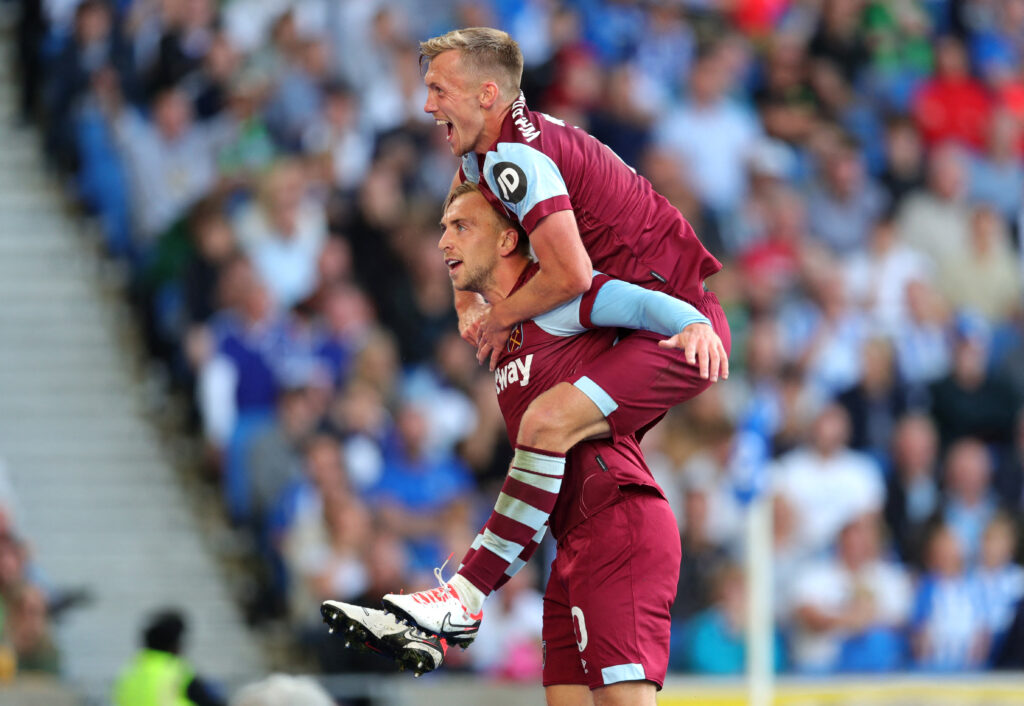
516, 371
528, 130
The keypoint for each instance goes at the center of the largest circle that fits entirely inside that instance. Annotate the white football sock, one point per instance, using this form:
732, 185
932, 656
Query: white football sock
472, 597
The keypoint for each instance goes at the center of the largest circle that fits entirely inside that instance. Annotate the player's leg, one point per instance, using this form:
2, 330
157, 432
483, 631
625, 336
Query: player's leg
568, 695
561, 417
621, 585
565, 683
623, 391
627, 693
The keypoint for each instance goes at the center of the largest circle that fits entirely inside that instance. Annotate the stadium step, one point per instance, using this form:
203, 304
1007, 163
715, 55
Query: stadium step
98, 496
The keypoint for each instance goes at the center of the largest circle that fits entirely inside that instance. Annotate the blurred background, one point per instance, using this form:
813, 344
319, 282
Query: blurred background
231, 384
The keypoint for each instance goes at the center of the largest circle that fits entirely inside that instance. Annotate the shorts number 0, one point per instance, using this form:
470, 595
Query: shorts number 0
581, 627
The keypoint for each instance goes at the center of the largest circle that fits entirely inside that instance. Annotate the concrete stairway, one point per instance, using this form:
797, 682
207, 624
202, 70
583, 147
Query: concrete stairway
100, 502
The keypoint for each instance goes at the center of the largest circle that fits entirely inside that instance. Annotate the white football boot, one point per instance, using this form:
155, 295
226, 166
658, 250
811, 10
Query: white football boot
439, 611
369, 629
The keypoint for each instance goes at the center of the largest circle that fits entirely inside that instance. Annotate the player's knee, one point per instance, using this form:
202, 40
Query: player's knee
627, 693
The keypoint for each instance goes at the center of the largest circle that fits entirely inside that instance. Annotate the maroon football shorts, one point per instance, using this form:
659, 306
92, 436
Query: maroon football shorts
606, 607
636, 382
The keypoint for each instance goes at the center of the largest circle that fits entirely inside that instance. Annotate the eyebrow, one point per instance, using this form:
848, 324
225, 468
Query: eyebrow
454, 221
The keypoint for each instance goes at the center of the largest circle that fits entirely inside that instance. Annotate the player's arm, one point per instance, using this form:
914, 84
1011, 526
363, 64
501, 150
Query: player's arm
532, 188
624, 305
613, 303
565, 271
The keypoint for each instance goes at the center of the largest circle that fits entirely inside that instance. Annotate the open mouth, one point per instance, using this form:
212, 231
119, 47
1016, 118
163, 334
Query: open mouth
447, 125
453, 265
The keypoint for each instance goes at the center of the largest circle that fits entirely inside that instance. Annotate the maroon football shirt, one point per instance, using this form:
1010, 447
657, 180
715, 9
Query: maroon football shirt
539, 165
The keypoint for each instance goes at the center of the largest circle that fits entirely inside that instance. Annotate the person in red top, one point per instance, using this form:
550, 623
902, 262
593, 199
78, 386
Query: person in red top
606, 610
953, 105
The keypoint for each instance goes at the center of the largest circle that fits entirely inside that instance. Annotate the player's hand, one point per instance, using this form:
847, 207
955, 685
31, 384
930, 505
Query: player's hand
702, 348
492, 337
469, 323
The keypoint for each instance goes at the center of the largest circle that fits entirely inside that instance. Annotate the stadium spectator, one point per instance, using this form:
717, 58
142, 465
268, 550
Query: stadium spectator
339, 136
948, 629
984, 279
844, 202
239, 373
708, 470
877, 401
839, 37
772, 259
898, 38
850, 110
711, 134
298, 100
213, 246
210, 86
849, 611
785, 101
996, 176
971, 400
359, 416
878, 276
923, 348
158, 673
26, 626
323, 543
826, 482
952, 105
283, 233
825, 332
274, 455
995, 45
903, 172
969, 504
171, 160
421, 498
186, 35
700, 554
935, 220
913, 496
96, 43
712, 641
1000, 578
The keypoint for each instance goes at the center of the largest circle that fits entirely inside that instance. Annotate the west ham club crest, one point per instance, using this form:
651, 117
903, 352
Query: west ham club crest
515, 339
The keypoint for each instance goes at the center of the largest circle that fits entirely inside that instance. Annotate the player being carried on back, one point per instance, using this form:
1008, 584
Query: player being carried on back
583, 208
622, 569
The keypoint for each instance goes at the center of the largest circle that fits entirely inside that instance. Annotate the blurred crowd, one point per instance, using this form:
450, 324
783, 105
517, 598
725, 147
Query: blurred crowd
28, 603
264, 170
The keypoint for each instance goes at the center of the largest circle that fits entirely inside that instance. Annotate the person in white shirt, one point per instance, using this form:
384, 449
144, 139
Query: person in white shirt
712, 135
826, 482
848, 610
283, 233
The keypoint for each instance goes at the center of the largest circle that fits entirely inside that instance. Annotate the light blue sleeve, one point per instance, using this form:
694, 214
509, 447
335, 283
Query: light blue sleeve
522, 177
563, 320
624, 305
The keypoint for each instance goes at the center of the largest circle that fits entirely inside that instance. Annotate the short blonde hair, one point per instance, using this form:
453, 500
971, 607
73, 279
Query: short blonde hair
488, 52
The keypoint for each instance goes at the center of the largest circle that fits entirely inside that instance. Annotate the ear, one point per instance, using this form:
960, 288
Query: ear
488, 94
508, 242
